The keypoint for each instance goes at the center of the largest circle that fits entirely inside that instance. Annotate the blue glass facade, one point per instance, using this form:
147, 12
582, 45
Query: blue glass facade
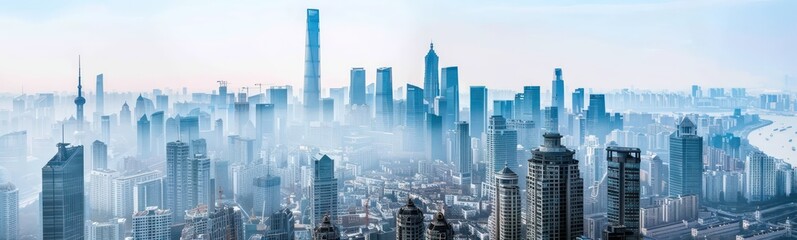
311, 67
62, 196
478, 110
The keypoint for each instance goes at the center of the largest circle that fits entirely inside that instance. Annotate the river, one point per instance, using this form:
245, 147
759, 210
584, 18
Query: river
778, 139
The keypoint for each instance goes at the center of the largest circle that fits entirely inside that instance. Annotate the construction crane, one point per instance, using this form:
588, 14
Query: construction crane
222, 83
259, 87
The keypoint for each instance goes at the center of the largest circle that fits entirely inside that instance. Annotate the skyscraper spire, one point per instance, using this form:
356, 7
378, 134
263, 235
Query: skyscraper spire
79, 100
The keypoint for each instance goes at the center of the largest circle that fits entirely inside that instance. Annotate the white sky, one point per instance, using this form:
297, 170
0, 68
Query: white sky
604, 44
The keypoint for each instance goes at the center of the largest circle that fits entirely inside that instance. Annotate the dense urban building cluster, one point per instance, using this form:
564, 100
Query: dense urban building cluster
382, 161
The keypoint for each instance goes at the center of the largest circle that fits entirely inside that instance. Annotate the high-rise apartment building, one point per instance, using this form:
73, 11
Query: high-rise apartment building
439, 228
325, 230
187, 178
409, 222
501, 146
148, 193
101, 199
152, 224
99, 155
9, 210
760, 177
623, 188
505, 218
123, 193
554, 192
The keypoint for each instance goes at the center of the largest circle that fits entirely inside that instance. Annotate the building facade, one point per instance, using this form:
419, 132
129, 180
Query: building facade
554, 192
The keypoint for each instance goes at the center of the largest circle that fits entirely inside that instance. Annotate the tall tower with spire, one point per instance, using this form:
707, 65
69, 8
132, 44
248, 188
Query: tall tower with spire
431, 83
79, 100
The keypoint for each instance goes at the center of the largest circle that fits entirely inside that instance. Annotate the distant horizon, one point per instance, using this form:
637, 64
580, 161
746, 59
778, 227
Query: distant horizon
670, 45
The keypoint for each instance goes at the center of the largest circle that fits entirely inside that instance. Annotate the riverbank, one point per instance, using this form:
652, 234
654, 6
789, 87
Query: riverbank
776, 139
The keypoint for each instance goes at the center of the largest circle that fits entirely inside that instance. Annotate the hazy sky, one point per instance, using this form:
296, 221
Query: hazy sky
141, 45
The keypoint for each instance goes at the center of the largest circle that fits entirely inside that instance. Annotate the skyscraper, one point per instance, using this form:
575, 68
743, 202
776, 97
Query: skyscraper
531, 97
478, 111
148, 193
597, 119
449, 89
554, 192
101, 198
79, 100
9, 209
324, 190
99, 155
105, 121
111, 229
162, 103
241, 117
357, 86
431, 83
439, 228
152, 224
578, 101
506, 213
124, 192
658, 175
267, 198
760, 177
558, 94
62, 197
265, 124
125, 117
501, 147
189, 128
328, 110
384, 99
280, 225
462, 158
226, 222
409, 222
100, 95
414, 131
326, 230
178, 177
527, 134
157, 125
312, 74
686, 160
623, 189
142, 137
504, 108
434, 137
551, 119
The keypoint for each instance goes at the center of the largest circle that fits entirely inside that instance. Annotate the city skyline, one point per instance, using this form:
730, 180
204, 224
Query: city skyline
257, 43
440, 157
